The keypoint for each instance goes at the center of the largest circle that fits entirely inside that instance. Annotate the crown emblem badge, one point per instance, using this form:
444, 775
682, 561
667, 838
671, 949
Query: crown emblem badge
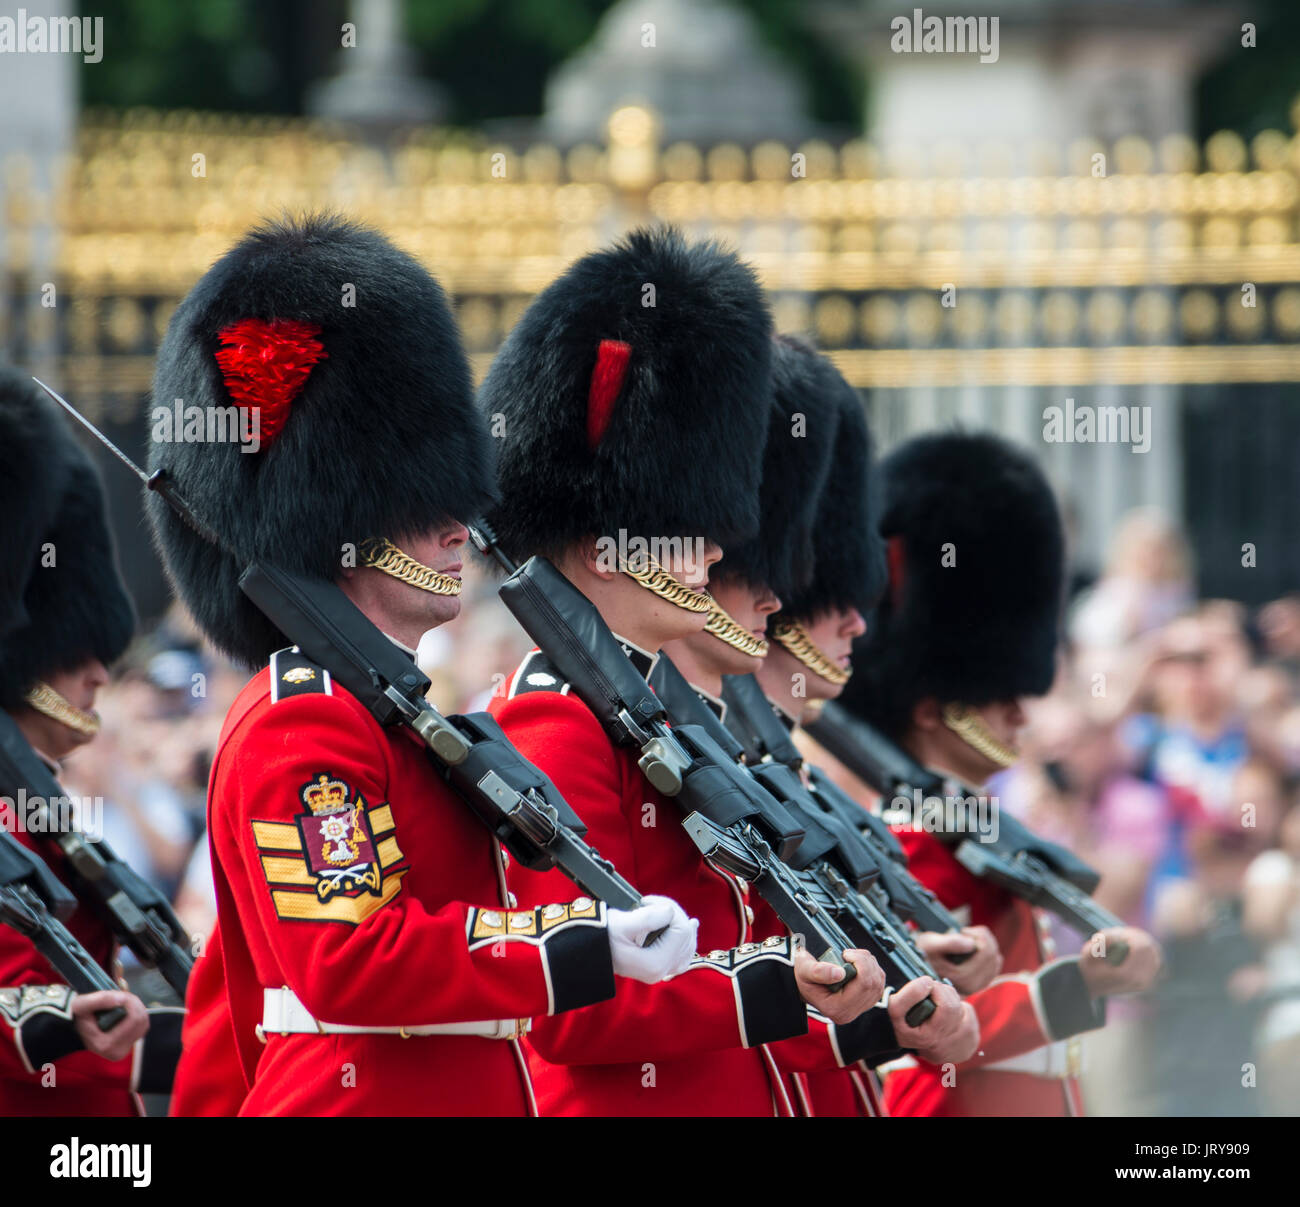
336, 838
324, 795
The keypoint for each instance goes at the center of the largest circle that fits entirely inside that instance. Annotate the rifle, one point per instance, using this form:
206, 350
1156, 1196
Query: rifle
727, 820
1030, 867
831, 856
507, 793
139, 916
767, 740
33, 902
513, 798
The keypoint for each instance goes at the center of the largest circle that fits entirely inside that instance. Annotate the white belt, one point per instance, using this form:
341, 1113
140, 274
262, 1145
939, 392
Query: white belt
284, 1014
1054, 1061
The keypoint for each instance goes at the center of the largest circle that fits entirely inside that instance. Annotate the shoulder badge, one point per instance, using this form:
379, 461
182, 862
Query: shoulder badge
537, 674
293, 674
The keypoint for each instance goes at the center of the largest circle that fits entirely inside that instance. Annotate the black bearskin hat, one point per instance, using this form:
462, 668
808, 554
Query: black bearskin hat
31, 470
347, 351
848, 556
985, 627
632, 395
802, 423
77, 606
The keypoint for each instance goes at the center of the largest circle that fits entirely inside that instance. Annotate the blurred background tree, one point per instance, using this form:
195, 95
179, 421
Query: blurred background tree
491, 56
1254, 88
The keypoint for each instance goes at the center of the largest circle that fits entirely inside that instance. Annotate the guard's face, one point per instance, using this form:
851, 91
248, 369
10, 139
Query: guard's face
1004, 719
749, 607
689, 565
833, 633
78, 687
409, 608
689, 561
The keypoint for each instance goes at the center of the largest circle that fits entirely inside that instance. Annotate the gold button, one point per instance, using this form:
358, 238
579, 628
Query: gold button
551, 912
742, 884
511, 900
490, 917
521, 921
749, 915
717, 954
582, 903
774, 941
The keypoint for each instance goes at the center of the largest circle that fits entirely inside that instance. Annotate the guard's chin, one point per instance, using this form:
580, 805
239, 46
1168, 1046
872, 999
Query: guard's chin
442, 608
686, 623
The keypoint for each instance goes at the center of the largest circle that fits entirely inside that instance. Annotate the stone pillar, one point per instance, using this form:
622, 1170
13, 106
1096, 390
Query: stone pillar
39, 96
378, 87
698, 64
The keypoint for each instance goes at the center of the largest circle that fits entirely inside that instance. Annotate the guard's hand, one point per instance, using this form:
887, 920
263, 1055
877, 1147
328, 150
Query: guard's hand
117, 1043
974, 972
843, 1005
1135, 975
670, 954
951, 1033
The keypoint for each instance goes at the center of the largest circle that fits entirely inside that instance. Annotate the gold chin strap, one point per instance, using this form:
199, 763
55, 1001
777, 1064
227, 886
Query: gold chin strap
725, 629
45, 700
969, 726
790, 633
653, 577
383, 555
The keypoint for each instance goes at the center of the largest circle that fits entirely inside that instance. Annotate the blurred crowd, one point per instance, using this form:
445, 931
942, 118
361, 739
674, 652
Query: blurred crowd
1168, 755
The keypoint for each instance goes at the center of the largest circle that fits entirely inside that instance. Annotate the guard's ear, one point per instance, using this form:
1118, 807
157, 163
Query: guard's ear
591, 554
927, 715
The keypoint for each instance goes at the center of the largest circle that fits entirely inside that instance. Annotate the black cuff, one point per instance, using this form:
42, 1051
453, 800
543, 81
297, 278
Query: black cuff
869, 1037
770, 1005
1068, 1008
46, 1037
580, 966
161, 1051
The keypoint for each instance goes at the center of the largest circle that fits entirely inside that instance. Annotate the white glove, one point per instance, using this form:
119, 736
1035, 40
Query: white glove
671, 953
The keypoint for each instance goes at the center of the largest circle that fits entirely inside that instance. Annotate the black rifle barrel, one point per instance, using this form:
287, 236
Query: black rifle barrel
140, 916
511, 796
683, 762
832, 860
1030, 867
30, 895
750, 711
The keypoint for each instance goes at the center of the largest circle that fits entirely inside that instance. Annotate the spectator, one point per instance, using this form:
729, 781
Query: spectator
1271, 916
1146, 583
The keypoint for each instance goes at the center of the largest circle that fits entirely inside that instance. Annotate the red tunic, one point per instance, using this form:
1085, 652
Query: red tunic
343, 867
707, 1042
1032, 1004
44, 1070
210, 1079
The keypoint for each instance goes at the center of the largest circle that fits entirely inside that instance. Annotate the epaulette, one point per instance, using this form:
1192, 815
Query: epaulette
294, 674
537, 674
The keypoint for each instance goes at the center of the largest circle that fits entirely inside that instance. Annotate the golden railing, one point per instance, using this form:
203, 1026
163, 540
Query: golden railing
1130, 262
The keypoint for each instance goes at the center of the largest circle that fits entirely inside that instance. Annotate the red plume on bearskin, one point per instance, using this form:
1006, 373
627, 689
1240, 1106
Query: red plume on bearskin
265, 365
606, 381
